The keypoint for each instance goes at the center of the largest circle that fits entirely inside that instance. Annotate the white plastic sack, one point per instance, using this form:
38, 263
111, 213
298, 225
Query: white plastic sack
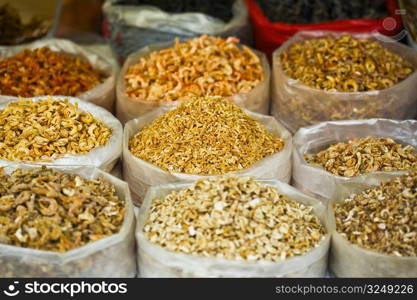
102, 95
134, 26
298, 105
155, 261
103, 157
141, 174
257, 100
316, 181
349, 260
112, 256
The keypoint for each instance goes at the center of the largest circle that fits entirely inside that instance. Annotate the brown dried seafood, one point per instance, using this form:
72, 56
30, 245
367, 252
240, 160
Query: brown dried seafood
382, 218
201, 66
42, 71
48, 210
344, 64
205, 136
47, 129
233, 218
363, 155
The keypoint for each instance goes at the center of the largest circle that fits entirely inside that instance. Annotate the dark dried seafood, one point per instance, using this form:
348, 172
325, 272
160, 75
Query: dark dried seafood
221, 9
312, 11
13, 30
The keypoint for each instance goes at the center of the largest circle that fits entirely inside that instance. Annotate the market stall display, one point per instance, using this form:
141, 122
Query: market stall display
203, 137
323, 76
165, 74
338, 151
56, 67
374, 228
58, 131
207, 168
65, 222
132, 26
188, 230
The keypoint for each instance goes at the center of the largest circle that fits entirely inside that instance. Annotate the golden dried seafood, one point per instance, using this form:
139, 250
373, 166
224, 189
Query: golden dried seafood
201, 66
206, 136
233, 218
42, 71
363, 155
47, 129
382, 218
344, 64
48, 210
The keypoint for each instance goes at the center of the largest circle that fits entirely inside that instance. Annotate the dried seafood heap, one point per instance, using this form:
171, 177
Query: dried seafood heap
344, 64
201, 66
48, 210
310, 11
204, 136
48, 129
221, 9
233, 218
45, 72
382, 218
363, 155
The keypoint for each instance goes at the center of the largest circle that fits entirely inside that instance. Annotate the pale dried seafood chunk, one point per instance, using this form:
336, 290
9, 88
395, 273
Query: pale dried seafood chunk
47, 129
204, 136
55, 211
382, 218
344, 64
233, 218
202, 66
364, 155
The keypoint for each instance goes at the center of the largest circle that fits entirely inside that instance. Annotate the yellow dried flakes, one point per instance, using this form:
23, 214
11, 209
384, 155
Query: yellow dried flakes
48, 129
382, 218
363, 155
205, 136
344, 64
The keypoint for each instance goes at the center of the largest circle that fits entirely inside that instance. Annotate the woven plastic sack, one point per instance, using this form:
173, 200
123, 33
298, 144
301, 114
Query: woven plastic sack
103, 157
112, 256
102, 95
298, 105
127, 108
155, 261
268, 36
319, 183
141, 174
130, 28
349, 260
